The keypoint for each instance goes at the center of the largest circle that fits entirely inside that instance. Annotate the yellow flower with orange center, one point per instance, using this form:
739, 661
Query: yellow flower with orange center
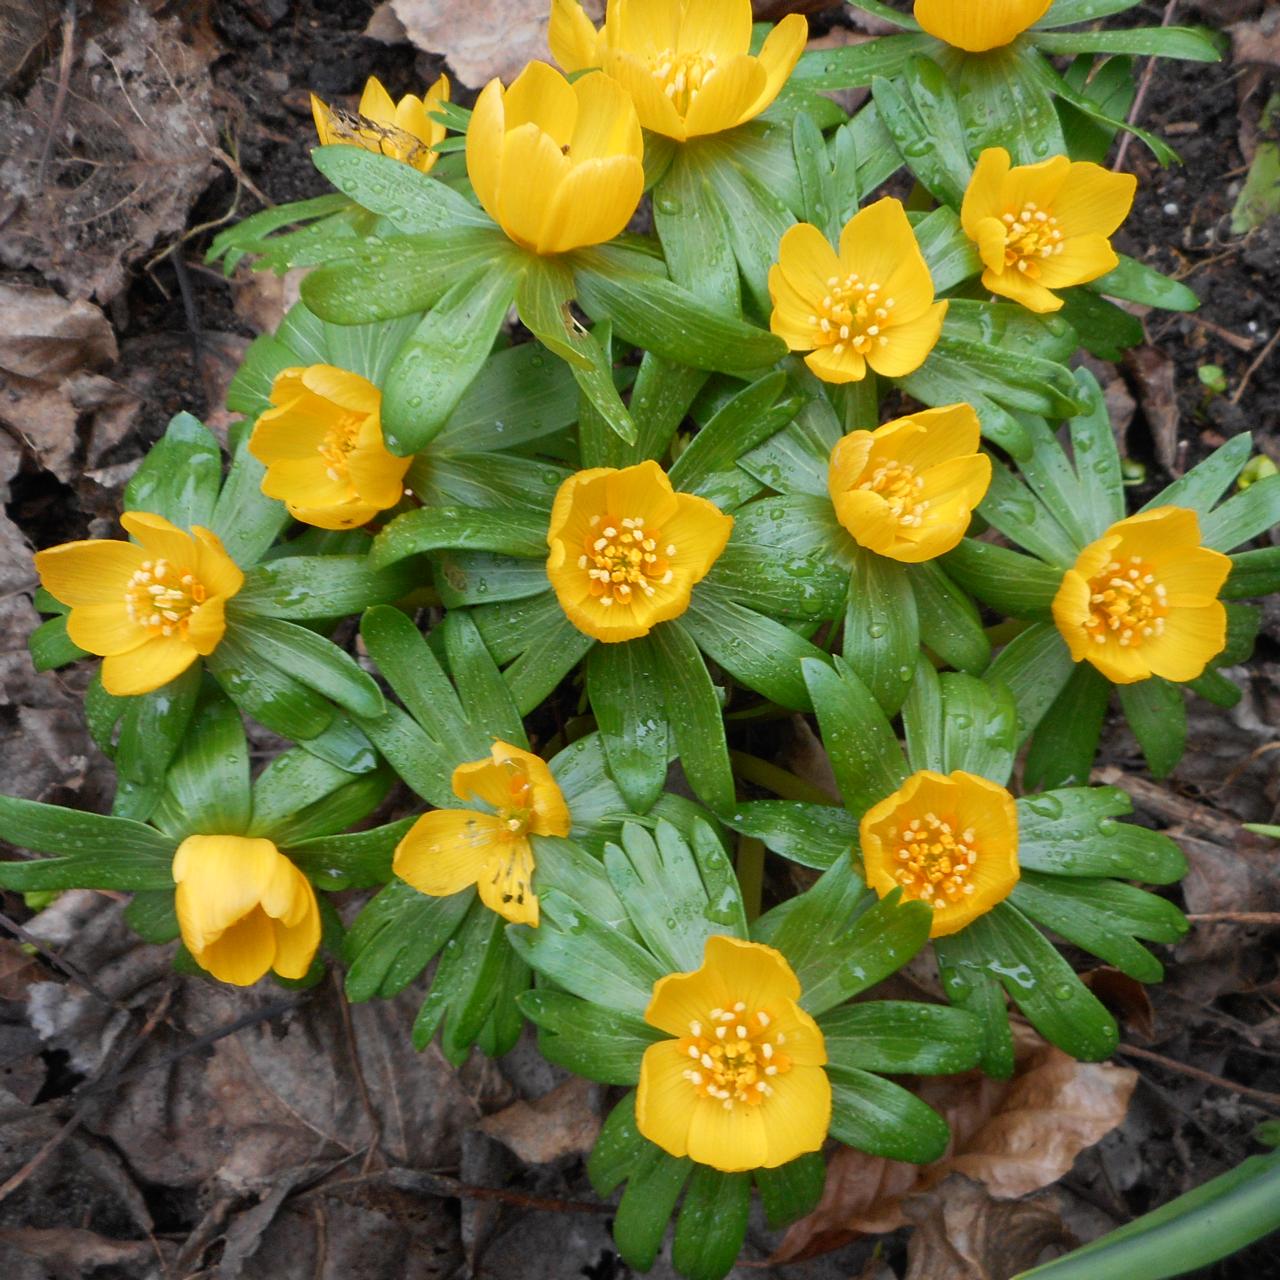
147, 608
321, 442
1143, 600
741, 1083
1045, 226
556, 165
448, 850
627, 550
686, 63
948, 840
979, 25
908, 489
403, 130
871, 304
244, 909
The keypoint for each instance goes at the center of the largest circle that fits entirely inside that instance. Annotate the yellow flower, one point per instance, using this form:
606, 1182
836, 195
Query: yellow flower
244, 908
627, 550
870, 305
403, 130
148, 610
556, 165
321, 442
685, 63
1043, 226
979, 25
948, 840
447, 850
1143, 600
741, 1086
908, 489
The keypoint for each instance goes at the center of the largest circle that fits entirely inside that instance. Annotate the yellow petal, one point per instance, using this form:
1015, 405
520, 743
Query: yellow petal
778, 56
342, 387
160, 538
1071, 613
92, 572
699, 531
909, 343
346, 515
225, 878
592, 204
950, 431
207, 625
646, 27
149, 666
791, 312
1083, 258
322, 114
446, 850
868, 519
484, 146
652, 106
376, 103
1192, 638
1196, 577
641, 490
296, 944
1017, 287
551, 814
216, 570
306, 483
506, 883
989, 235
540, 95
665, 1101
105, 628
606, 125
806, 261
721, 28
377, 476
1093, 200
979, 25
726, 96
984, 196
572, 36
729, 1140
533, 167
837, 367
243, 954
797, 1116
879, 244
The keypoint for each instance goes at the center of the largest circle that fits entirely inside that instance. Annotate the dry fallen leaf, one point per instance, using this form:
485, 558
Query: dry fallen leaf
564, 1122
1258, 41
1012, 1136
1154, 372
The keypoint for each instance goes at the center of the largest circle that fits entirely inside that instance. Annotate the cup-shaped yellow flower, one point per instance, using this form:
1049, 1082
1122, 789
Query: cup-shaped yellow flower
949, 840
627, 550
148, 608
979, 25
1045, 226
741, 1084
908, 489
556, 165
321, 442
403, 130
871, 304
244, 909
686, 63
1143, 600
448, 850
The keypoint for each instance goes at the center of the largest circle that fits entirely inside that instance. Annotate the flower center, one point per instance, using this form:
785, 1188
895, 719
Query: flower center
338, 442
852, 314
163, 598
1126, 604
934, 860
1030, 236
734, 1055
898, 484
623, 558
516, 815
681, 75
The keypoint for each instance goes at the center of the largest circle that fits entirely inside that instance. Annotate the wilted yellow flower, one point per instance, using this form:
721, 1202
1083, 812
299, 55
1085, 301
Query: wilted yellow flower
1143, 600
403, 130
1043, 226
949, 840
908, 489
626, 549
979, 25
686, 63
148, 610
321, 442
447, 850
244, 908
873, 304
557, 166
742, 1085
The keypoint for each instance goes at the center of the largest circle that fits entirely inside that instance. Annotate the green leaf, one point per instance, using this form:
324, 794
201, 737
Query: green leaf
628, 704
1253, 573
1192, 44
822, 203
320, 588
792, 1190
1026, 519
920, 109
599, 1044
693, 713
922, 720
508, 532
865, 756
619, 1149
466, 985
245, 236
1244, 516
550, 656
972, 987
813, 835
151, 729
91, 851
579, 877
498, 480
660, 316
1207, 481
696, 243
855, 66
873, 1115
484, 694
395, 937
315, 662
712, 1223
950, 624
51, 647
1136, 282
482, 577
1063, 13
1106, 330
244, 518
1097, 461
1009, 581
900, 1037
1073, 832
881, 628
435, 366
660, 399
1066, 740
151, 915
951, 256
344, 800
180, 476
979, 727
1103, 917
360, 860
267, 694
1157, 713
1035, 667
655, 1182
1006, 108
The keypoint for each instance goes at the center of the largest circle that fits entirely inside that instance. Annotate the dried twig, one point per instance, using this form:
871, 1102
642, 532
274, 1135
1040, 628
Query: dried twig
72, 971
60, 94
1254, 367
1246, 1091
375, 1125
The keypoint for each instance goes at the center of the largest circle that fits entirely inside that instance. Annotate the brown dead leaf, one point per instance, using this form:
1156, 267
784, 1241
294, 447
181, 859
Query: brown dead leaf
1013, 1136
485, 38
261, 298
1126, 998
1154, 374
564, 1122
384, 26
68, 1253
1258, 41
962, 1233
18, 970
132, 147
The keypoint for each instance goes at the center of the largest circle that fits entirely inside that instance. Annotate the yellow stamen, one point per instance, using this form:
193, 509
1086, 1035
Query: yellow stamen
1127, 604
934, 861
736, 1064
162, 598
624, 560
